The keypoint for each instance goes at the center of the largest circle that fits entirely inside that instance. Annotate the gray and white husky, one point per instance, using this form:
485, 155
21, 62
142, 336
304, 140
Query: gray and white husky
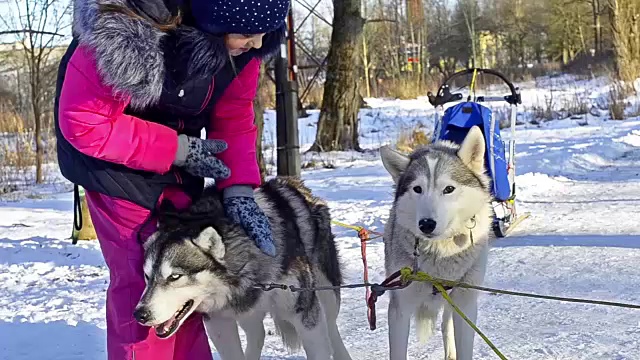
442, 204
198, 261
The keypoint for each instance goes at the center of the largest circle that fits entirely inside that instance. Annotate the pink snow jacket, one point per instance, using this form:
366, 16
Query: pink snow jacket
126, 90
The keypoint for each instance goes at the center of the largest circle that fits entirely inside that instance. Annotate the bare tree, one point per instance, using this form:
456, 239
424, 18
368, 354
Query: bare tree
338, 123
38, 26
625, 22
469, 10
596, 11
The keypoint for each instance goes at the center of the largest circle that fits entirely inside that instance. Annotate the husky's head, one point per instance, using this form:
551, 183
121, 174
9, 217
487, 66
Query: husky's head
440, 188
181, 270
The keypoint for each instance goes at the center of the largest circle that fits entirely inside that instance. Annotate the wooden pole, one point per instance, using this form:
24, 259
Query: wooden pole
288, 148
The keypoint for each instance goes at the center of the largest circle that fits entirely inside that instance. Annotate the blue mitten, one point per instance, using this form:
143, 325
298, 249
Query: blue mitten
243, 210
197, 157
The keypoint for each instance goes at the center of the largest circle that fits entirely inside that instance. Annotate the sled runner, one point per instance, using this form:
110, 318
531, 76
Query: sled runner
454, 123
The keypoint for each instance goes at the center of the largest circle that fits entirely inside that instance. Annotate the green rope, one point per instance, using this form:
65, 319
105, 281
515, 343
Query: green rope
423, 277
407, 275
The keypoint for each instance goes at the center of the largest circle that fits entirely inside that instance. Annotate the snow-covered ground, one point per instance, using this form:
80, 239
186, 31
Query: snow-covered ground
580, 183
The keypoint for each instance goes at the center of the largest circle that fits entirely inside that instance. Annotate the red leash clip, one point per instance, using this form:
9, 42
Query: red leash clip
375, 290
363, 234
393, 282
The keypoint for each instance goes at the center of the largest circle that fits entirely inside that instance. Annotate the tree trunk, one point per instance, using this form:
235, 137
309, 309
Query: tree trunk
365, 56
258, 108
399, 61
625, 25
471, 28
595, 10
565, 45
39, 150
583, 42
338, 123
36, 88
365, 64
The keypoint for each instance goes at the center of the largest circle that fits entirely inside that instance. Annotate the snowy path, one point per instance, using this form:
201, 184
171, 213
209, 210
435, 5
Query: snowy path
582, 186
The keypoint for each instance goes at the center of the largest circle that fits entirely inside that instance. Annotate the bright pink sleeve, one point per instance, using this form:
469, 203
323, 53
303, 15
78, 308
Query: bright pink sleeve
93, 121
233, 121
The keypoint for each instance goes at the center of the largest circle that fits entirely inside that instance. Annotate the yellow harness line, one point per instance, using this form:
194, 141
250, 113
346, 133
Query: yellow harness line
473, 82
352, 227
406, 274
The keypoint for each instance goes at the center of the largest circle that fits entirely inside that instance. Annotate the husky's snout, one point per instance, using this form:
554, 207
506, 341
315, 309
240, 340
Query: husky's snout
427, 226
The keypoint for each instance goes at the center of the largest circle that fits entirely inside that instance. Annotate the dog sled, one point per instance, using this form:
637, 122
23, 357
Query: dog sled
454, 122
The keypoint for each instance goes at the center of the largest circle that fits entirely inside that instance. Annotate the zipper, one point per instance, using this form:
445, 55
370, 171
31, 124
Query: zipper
209, 94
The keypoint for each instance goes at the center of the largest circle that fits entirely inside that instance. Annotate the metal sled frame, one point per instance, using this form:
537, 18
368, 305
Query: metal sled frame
505, 216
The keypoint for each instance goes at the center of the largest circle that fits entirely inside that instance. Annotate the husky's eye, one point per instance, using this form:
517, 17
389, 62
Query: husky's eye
448, 190
146, 277
417, 189
174, 277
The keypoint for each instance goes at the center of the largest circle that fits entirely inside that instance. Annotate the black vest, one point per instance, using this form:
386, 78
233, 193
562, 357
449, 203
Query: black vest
186, 109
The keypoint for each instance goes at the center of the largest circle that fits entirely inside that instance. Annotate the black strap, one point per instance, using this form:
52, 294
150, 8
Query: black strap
77, 216
77, 211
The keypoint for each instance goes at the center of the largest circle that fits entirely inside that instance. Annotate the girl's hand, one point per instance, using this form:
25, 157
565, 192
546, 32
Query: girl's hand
242, 209
197, 157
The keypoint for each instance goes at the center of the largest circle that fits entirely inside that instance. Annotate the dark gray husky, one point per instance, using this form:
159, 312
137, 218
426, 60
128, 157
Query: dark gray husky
198, 261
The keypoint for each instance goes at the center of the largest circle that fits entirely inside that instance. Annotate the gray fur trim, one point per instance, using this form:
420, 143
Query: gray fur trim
128, 51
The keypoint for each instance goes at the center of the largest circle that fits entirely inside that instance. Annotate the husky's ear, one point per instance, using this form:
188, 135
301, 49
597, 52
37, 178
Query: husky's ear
395, 162
153, 237
472, 149
210, 242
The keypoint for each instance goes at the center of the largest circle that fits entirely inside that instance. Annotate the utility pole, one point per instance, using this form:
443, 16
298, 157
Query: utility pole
288, 146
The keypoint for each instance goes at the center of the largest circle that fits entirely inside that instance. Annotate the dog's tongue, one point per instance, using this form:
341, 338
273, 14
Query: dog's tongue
165, 326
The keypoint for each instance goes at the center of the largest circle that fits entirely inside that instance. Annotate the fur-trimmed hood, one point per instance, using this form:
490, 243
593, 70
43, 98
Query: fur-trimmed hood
134, 57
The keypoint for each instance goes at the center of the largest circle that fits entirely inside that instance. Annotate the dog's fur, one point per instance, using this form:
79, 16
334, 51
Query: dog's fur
217, 266
457, 247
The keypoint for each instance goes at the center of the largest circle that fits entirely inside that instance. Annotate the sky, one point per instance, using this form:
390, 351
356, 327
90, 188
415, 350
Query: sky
10, 10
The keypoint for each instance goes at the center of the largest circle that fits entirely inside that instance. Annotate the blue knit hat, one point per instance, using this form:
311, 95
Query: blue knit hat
239, 16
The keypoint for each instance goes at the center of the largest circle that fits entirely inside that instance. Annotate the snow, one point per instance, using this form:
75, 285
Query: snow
580, 183
380, 124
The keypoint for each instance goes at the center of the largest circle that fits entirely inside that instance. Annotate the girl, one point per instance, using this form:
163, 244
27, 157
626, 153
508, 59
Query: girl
139, 82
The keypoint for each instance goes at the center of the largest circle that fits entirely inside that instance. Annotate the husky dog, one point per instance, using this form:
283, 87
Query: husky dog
198, 261
443, 205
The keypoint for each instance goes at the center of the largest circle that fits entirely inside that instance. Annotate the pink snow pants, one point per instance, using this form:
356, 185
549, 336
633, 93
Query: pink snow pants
117, 223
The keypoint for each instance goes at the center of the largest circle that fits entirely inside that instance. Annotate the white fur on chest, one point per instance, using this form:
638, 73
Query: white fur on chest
451, 259
450, 265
